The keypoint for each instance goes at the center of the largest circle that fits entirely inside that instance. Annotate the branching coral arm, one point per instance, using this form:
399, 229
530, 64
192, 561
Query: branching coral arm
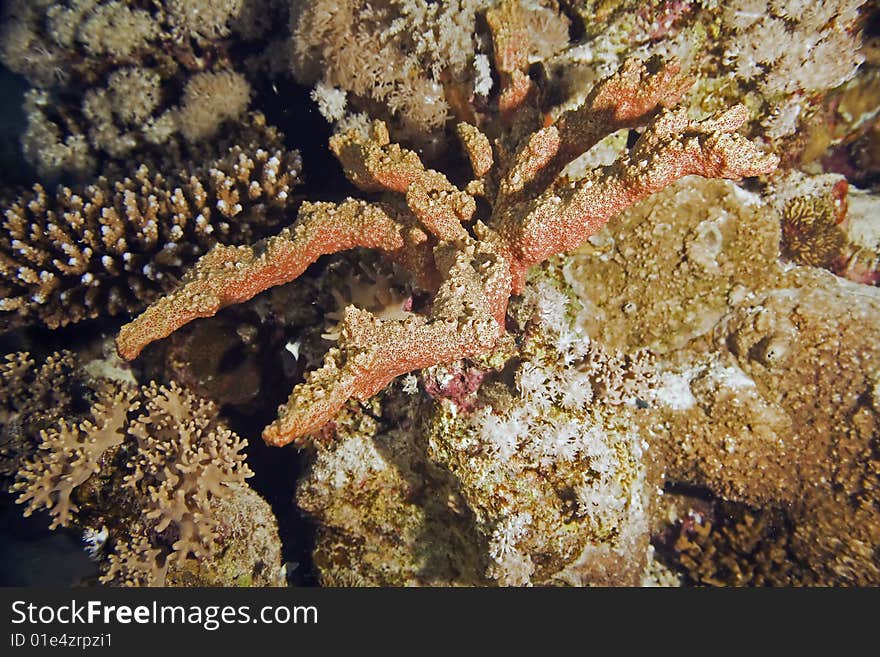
372, 352
510, 42
374, 164
477, 147
671, 147
627, 99
232, 274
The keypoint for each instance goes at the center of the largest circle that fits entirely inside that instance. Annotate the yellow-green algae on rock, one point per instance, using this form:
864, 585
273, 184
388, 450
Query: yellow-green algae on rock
666, 270
767, 384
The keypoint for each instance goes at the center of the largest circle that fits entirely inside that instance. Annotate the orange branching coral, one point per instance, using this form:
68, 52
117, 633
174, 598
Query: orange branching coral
471, 264
511, 44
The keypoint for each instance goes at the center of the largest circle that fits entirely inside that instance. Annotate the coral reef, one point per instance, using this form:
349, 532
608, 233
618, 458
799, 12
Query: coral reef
762, 392
776, 385
544, 483
534, 215
584, 292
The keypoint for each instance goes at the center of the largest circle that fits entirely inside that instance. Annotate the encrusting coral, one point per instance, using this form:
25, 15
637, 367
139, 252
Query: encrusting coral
111, 247
702, 243
765, 375
789, 398
174, 473
471, 266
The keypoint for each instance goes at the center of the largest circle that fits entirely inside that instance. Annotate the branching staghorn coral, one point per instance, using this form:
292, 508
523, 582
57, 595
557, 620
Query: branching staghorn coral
472, 273
113, 247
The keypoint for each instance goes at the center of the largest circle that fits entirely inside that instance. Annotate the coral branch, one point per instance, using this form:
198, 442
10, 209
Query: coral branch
373, 163
627, 99
463, 323
624, 100
510, 40
228, 275
439, 206
671, 147
477, 147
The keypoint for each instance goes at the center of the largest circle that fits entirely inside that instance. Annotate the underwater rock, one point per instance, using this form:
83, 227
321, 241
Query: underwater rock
665, 271
247, 551
545, 483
